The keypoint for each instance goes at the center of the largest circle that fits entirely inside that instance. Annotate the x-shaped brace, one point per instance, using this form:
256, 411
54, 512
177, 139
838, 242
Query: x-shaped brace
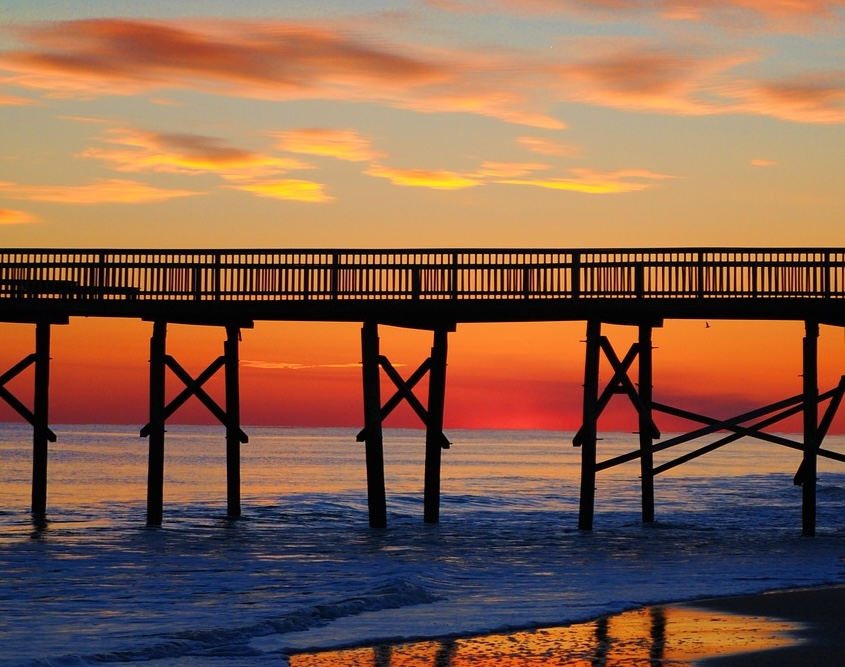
12, 400
404, 391
193, 387
620, 383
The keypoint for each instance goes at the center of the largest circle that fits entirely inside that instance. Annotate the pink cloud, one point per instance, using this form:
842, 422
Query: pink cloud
282, 61
782, 12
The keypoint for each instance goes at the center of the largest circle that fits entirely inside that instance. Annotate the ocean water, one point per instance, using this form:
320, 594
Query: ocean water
302, 570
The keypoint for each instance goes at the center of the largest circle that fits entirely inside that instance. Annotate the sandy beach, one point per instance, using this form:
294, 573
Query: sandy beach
817, 611
794, 627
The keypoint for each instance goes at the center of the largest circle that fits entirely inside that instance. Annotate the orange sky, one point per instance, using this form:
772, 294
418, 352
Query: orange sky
422, 123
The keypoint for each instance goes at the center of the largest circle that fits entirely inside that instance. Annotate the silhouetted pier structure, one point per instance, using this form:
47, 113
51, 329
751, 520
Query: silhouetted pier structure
434, 290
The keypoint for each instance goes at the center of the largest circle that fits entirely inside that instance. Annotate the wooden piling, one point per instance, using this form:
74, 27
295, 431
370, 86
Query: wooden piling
233, 423
434, 426
155, 470
374, 441
40, 422
589, 426
646, 423
811, 417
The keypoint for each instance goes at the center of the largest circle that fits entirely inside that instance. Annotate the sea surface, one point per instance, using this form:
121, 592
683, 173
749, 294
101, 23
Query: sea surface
302, 570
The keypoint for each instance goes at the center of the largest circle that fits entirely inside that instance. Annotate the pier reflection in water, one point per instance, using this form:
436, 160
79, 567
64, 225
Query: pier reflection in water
665, 636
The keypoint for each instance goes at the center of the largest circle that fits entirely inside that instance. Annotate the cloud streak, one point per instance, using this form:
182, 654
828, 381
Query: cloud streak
11, 217
103, 191
291, 61
134, 150
342, 144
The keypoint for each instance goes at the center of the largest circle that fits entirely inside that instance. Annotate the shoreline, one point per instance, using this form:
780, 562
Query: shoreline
801, 627
816, 613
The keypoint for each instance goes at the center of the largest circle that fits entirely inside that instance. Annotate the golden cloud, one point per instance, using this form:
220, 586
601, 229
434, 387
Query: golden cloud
594, 182
425, 178
185, 154
104, 191
10, 217
757, 162
343, 144
509, 169
288, 189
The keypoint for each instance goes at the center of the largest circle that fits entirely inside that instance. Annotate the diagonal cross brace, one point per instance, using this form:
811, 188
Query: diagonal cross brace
193, 387
404, 391
620, 383
13, 401
824, 425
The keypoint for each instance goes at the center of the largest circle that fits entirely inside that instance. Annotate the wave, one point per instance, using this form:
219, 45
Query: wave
234, 641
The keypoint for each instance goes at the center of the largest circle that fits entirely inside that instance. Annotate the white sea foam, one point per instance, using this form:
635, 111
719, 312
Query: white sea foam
303, 570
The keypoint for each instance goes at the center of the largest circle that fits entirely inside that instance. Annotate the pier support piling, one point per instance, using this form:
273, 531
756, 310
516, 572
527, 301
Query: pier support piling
811, 417
373, 437
434, 426
375, 413
589, 426
155, 427
160, 411
40, 423
233, 423
646, 431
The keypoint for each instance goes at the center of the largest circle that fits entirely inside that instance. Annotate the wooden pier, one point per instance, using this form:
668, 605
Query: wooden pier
434, 290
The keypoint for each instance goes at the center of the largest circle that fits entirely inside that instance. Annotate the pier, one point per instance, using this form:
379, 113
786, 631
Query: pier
435, 290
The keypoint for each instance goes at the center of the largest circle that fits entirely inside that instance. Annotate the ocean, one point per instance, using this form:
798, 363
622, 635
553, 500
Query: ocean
301, 570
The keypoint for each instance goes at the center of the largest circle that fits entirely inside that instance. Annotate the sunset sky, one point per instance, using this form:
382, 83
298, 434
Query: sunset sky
438, 123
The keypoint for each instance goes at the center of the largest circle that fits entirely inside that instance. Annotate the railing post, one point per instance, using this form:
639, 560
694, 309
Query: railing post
454, 276
639, 280
575, 278
416, 282
335, 275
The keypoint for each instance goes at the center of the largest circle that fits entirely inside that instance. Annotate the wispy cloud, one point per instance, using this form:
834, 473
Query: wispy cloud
104, 191
737, 13
548, 146
289, 189
510, 169
292, 366
135, 150
269, 60
425, 178
10, 217
595, 182
759, 162
343, 144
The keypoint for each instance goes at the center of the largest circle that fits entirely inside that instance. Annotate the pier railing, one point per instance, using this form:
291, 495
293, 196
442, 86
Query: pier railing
284, 275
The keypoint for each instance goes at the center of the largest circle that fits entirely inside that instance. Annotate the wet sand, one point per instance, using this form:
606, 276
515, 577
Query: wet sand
797, 627
818, 612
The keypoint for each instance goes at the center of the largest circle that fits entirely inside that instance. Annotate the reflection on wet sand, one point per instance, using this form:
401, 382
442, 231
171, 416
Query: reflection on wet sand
668, 636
